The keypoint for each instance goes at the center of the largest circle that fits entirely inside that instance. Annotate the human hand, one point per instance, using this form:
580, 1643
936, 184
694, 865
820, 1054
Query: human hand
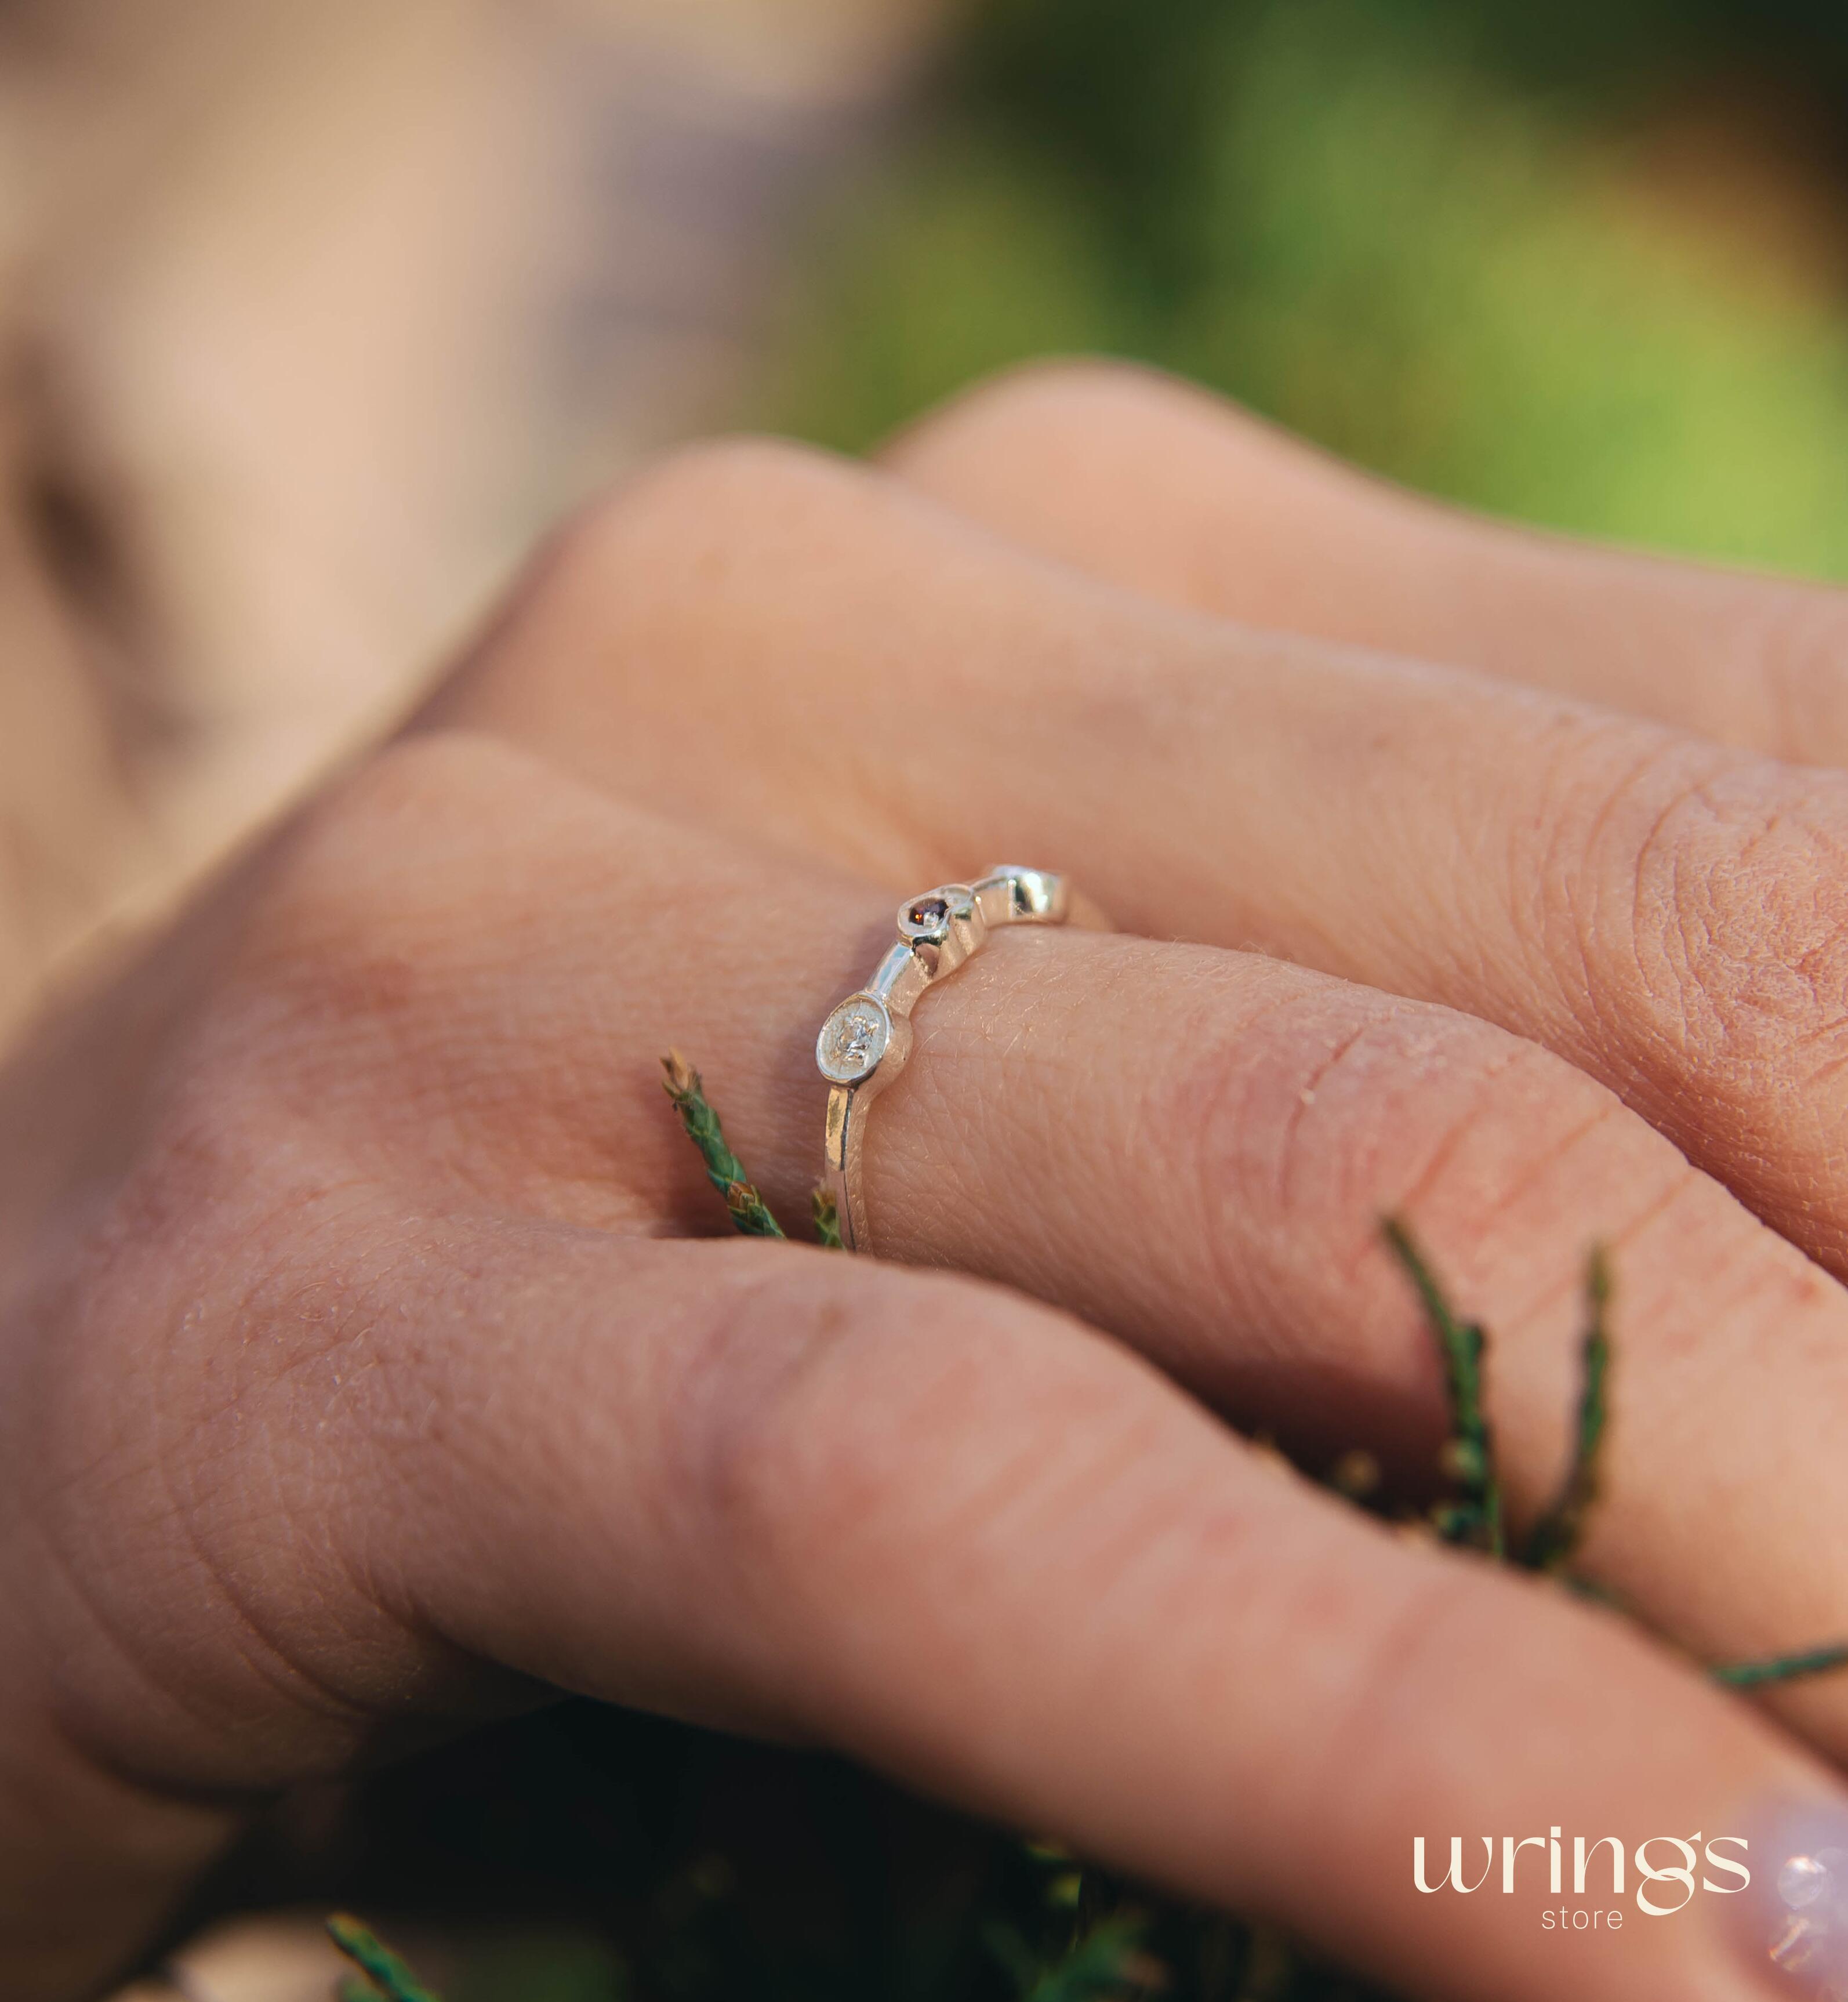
357, 1379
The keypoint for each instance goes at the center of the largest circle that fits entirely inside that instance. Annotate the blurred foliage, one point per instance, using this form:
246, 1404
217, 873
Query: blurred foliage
1582, 264
590, 1854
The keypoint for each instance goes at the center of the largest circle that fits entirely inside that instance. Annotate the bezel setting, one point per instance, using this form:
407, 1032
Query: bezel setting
865, 1043
854, 1040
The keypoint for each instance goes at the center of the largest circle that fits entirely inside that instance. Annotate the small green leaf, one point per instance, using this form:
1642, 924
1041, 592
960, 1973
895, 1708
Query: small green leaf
388, 1975
1469, 1456
1784, 1669
749, 1213
1556, 1536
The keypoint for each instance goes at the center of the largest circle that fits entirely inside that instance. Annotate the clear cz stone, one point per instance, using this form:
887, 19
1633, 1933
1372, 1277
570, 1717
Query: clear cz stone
853, 1040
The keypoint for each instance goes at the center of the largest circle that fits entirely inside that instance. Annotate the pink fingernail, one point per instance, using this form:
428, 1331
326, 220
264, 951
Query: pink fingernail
1793, 1921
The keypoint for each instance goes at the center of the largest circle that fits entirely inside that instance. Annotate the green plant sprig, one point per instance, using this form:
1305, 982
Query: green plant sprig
1108, 1961
1475, 1518
750, 1214
1553, 1542
1782, 1669
387, 1976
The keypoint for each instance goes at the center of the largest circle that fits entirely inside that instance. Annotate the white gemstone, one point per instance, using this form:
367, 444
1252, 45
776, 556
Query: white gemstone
853, 1040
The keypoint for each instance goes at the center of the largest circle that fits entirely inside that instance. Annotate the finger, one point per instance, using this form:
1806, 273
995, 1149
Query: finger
1137, 478
948, 1531
1670, 916
1191, 1148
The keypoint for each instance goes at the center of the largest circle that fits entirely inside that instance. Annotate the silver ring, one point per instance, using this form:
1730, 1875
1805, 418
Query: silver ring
864, 1043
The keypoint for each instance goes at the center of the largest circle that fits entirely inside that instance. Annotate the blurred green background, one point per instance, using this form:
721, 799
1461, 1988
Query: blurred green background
1582, 263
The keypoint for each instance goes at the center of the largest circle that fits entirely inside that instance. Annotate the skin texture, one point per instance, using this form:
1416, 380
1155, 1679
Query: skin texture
363, 1372
1232, 517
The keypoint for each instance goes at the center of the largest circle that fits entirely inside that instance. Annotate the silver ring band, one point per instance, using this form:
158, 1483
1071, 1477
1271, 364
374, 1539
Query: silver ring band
864, 1043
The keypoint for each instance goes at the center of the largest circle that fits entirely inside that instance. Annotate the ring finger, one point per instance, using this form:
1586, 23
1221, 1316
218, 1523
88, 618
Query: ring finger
806, 656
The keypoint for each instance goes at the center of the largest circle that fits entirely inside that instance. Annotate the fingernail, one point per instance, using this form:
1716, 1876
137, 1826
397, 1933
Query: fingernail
1793, 1920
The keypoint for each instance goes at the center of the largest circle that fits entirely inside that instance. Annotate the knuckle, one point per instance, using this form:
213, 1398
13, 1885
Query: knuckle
680, 505
326, 953
1795, 637
784, 1393
824, 1429
1715, 906
417, 954
1335, 1108
427, 775
363, 970
1059, 397
637, 603
208, 1314
1409, 1642
1116, 421
389, 852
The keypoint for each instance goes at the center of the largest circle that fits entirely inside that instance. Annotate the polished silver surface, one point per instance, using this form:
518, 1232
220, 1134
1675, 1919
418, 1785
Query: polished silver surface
865, 1040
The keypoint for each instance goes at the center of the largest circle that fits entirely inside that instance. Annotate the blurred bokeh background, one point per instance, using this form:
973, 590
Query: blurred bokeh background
313, 315
314, 312
1582, 262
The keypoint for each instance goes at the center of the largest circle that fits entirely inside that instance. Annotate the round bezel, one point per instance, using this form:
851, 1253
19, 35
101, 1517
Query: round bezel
930, 919
854, 1040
